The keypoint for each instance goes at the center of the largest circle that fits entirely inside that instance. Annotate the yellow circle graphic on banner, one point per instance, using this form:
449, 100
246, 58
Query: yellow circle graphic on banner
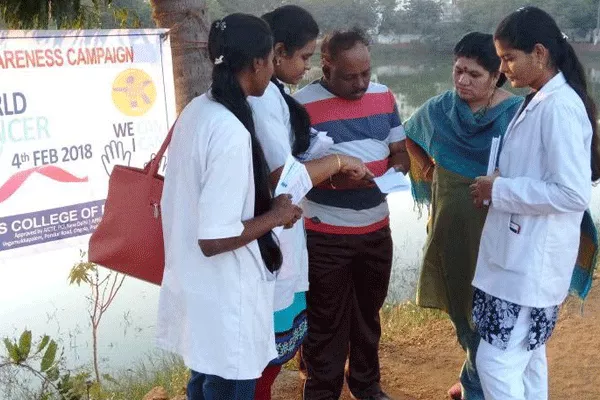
134, 92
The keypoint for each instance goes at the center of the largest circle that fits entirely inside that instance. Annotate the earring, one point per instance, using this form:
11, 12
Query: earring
278, 62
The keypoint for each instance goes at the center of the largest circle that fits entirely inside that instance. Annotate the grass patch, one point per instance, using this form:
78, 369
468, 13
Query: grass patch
396, 320
401, 319
165, 370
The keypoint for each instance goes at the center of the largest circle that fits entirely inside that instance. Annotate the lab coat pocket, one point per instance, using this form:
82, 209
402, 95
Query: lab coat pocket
512, 243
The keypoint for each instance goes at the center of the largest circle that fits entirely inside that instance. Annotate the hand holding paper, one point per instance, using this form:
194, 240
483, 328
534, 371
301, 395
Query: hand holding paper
295, 181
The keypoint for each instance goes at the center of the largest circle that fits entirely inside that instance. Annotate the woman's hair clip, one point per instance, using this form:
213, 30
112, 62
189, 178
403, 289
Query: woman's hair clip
219, 60
564, 36
220, 24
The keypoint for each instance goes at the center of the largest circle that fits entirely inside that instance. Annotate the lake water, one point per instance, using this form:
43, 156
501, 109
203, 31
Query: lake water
34, 292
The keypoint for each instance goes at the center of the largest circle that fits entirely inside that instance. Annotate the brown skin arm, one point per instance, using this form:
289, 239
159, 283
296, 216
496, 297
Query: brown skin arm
319, 170
282, 213
421, 158
399, 156
398, 159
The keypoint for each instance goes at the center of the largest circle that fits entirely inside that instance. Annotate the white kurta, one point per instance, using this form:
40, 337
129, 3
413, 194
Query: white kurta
216, 312
274, 131
530, 239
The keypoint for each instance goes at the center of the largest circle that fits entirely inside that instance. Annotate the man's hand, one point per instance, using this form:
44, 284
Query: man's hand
399, 158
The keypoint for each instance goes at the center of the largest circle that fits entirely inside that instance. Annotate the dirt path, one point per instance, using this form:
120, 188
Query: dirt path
425, 363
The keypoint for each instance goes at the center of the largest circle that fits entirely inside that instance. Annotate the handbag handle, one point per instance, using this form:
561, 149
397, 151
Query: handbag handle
152, 167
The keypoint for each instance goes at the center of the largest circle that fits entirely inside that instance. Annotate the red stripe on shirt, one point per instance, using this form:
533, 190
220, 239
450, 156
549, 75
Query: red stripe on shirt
336, 108
345, 230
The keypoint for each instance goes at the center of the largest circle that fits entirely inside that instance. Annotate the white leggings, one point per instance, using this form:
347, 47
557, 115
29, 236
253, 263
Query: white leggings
514, 373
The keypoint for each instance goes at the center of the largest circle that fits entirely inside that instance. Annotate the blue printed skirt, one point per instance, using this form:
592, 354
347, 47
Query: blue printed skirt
290, 329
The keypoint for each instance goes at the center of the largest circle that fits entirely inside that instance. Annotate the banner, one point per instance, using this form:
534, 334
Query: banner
72, 105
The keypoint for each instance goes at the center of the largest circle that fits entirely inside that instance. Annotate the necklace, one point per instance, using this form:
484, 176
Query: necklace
479, 114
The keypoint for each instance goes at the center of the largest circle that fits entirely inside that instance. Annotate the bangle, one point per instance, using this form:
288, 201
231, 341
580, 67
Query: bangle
339, 162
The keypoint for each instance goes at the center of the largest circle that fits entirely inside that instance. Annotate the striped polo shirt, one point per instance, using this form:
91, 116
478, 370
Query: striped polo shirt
361, 128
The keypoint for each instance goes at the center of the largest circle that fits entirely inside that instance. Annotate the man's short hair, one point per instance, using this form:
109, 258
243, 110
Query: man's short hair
337, 41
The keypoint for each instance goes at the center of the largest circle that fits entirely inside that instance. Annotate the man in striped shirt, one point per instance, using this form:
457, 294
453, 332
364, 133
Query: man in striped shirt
348, 234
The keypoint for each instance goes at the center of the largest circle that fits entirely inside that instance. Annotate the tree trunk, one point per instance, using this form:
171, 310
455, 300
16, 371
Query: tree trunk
189, 25
95, 351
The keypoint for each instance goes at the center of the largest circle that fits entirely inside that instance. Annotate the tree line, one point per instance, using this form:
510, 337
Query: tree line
436, 21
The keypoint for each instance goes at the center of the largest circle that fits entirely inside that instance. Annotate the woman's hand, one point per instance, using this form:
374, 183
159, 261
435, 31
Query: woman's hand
354, 168
481, 189
285, 213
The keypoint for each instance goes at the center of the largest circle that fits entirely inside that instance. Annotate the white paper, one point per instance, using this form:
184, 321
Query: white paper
320, 143
295, 181
493, 155
392, 181
494, 150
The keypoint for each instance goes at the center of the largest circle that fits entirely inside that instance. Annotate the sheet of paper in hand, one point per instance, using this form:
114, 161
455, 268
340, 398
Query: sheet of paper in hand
318, 147
295, 181
493, 160
494, 153
392, 181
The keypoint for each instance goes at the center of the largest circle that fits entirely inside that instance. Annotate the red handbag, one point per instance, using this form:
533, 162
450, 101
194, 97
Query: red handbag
129, 237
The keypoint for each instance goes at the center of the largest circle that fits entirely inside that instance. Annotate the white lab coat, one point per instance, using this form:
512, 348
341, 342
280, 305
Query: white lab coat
530, 240
274, 131
216, 312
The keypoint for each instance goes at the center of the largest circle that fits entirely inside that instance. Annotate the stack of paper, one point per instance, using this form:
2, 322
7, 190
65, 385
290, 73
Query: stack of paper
392, 181
295, 181
495, 148
319, 145
493, 160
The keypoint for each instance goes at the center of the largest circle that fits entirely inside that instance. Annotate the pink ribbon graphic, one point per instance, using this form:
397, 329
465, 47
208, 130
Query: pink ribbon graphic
17, 180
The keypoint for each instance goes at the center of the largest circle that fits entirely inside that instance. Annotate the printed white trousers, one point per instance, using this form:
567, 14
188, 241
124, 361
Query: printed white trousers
514, 373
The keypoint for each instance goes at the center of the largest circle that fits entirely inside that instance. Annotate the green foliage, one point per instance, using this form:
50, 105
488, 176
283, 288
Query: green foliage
25, 344
80, 273
103, 289
77, 14
55, 382
43, 343
484, 15
343, 14
49, 356
73, 387
159, 369
45, 14
422, 15
127, 14
13, 351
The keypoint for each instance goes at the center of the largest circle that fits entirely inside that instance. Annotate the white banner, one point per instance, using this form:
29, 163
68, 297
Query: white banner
72, 105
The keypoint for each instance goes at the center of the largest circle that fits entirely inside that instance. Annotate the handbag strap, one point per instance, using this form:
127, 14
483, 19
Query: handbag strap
152, 167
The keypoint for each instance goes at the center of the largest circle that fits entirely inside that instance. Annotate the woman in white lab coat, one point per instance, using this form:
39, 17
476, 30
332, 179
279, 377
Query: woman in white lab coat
216, 299
537, 197
283, 129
